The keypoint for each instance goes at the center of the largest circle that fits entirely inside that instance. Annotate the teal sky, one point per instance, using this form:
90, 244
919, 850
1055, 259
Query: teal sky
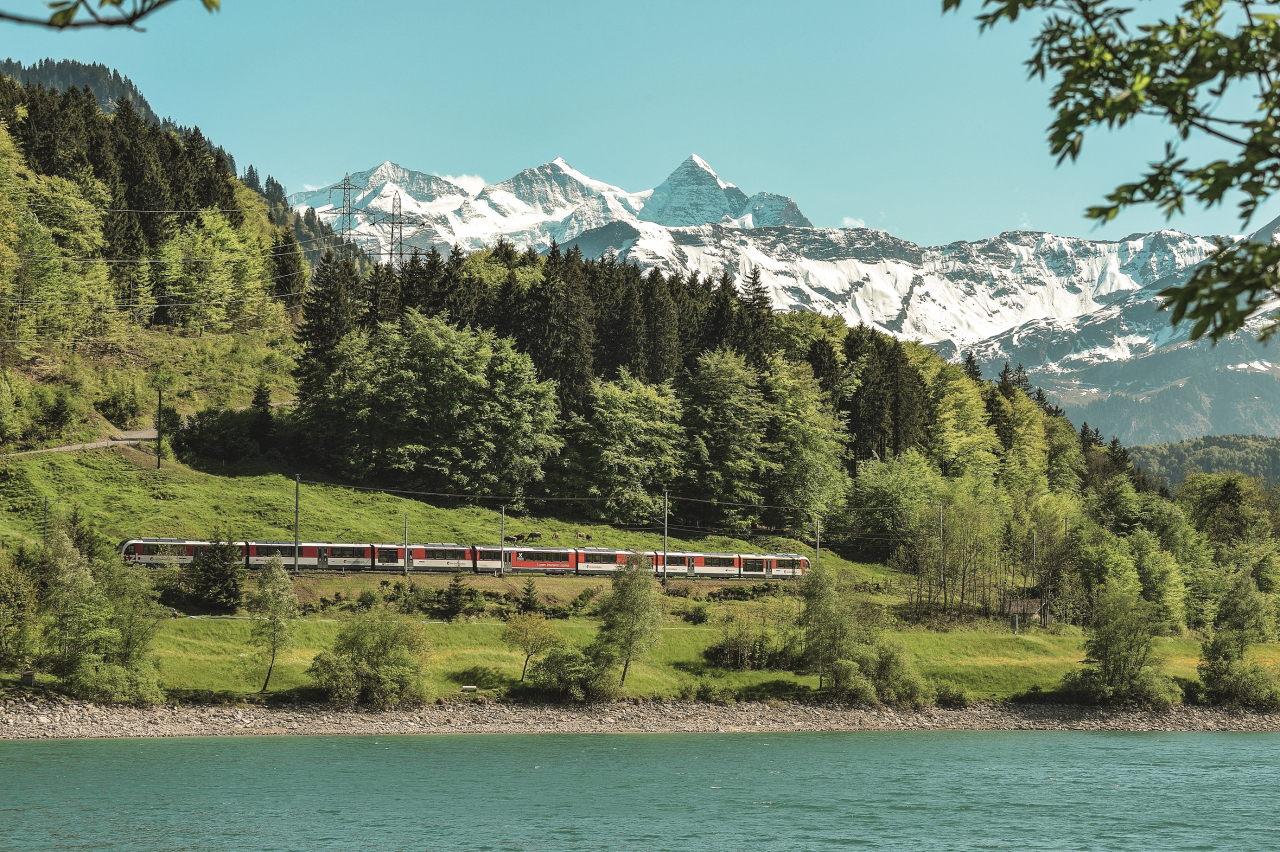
876, 111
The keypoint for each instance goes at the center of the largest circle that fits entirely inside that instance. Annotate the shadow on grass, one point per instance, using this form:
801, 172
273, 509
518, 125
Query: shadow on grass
780, 690
483, 677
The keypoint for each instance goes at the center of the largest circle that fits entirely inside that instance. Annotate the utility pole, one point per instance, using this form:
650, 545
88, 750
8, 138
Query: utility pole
159, 423
665, 515
45, 537
406, 545
297, 488
502, 545
817, 541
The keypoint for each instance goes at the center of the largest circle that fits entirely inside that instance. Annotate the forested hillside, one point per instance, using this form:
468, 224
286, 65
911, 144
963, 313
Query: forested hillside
109, 87
133, 260
1254, 455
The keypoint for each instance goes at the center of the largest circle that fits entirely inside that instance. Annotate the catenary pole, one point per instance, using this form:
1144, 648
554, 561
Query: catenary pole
406, 545
665, 515
297, 493
817, 541
502, 545
45, 536
159, 423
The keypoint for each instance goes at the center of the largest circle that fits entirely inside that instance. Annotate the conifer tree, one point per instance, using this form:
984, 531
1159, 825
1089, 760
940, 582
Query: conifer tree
721, 318
827, 369
971, 367
286, 269
250, 179
562, 348
754, 329
662, 330
331, 309
382, 296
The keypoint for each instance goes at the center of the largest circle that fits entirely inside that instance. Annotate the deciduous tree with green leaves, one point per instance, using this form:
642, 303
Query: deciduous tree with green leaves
530, 634
275, 606
631, 613
1209, 71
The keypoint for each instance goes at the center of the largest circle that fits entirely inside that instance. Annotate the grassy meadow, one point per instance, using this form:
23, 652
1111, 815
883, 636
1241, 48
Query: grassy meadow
125, 496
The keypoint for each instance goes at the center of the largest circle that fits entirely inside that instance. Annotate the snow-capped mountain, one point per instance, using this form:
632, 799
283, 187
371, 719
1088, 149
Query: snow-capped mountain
553, 201
1081, 315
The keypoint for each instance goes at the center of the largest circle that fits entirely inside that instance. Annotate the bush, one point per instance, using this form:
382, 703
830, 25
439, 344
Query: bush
110, 683
121, 404
374, 661
367, 600
951, 696
849, 684
218, 434
1242, 684
896, 683
578, 675
699, 614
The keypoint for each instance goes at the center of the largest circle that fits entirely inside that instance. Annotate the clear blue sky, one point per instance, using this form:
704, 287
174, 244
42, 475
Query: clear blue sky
883, 111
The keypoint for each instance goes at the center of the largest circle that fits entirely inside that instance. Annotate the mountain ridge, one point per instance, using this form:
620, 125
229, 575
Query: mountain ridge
1082, 315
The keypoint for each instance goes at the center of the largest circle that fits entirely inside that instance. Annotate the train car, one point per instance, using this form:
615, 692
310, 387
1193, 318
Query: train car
547, 560
443, 557
674, 563
489, 560
721, 565
601, 560
312, 555
789, 564
754, 566
163, 551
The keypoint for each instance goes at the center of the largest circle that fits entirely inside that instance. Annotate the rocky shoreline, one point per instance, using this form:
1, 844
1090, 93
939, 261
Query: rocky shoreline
57, 718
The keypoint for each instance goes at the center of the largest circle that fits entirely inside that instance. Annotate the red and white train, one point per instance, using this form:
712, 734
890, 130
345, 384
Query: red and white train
481, 559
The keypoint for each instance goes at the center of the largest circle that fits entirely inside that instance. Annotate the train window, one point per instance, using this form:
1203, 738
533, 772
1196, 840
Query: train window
718, 561
678, 560
600, 558
347, 553
436, 553
199, 550
388, 556
788, 563
150, 550
130, 550
753, 565
490, 555
276, 550
537, 556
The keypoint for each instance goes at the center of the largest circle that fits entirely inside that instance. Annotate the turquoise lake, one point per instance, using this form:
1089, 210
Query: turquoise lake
909, 791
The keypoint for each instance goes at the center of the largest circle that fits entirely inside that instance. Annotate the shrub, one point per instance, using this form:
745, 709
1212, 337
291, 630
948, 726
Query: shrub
220, 434
699, 614
374, 661
110, 683
896, 683
578, 675
849, 684
367, 600
121, 404
951, 696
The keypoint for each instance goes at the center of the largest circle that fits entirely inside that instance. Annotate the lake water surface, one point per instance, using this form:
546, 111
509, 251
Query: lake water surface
909, 791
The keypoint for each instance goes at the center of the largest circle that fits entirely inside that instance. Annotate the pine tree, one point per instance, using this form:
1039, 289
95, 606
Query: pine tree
287, 272
755, 326
530, 601
562, 346
910, 408
662, 330
827, 369
971, 367
331, 309
721, 318
250, 179
382, 296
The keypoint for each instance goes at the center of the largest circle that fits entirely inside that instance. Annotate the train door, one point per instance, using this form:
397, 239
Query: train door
322, 558
690, 569
768, 569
